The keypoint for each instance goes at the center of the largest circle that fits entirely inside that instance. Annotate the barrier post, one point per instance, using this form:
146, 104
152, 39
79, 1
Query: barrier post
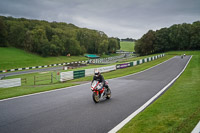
34, 80
51, 77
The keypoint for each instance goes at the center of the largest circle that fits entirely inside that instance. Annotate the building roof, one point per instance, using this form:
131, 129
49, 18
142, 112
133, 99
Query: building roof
91, 56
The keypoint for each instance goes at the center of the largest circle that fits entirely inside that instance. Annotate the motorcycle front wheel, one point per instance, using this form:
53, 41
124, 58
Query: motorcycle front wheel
95, 97
108, 94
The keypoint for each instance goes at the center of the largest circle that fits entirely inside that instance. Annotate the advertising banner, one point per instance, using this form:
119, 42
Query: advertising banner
120, 66
107, 69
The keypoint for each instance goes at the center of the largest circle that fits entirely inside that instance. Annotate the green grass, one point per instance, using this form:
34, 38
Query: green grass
12, 58
178, 109
127, 46
29, 88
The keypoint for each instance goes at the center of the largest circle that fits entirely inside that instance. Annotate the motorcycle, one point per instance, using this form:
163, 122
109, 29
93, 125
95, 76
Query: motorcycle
100, 92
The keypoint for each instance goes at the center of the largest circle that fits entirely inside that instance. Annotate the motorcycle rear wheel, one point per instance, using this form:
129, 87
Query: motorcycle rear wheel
95, 97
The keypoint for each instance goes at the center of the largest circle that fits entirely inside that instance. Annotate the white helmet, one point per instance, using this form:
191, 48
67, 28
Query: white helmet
96, 72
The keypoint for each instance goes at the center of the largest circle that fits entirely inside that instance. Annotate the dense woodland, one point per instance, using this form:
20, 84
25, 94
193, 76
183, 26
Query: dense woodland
177, 37
54, 38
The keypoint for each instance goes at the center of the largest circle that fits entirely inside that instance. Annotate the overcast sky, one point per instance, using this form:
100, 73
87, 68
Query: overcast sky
116, 18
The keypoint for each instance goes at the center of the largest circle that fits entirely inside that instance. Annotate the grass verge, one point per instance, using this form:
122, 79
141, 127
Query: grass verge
178, 109
30, 88
127, 46
12, 58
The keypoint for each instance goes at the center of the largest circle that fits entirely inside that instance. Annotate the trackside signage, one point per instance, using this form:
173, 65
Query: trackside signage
107, 69
120, 66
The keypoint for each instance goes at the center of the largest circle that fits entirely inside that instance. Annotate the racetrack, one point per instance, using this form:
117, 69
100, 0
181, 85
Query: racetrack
72, 109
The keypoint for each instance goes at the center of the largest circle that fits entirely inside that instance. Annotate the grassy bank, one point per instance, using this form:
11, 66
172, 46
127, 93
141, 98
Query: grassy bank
178, 109
12, 58
127, 46
29, 88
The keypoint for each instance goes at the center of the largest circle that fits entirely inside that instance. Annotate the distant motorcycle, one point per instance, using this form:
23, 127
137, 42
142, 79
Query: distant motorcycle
100, 92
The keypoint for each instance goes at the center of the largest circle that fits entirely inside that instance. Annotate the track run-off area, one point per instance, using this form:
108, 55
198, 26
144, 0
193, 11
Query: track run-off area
73, 110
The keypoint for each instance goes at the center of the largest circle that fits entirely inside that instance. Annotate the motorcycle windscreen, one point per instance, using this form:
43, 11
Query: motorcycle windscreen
94, 83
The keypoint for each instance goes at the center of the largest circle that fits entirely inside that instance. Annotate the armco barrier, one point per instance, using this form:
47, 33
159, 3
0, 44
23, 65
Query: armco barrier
131, 64
141, 61
138, 62
89, 72
10, 83
124, 65
134, 63
64, 76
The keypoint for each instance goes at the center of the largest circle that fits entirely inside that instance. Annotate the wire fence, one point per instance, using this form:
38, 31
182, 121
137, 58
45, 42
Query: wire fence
48, 78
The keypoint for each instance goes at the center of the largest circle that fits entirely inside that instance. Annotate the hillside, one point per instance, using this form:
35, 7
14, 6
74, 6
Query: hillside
16, 58
127, 46
53, 38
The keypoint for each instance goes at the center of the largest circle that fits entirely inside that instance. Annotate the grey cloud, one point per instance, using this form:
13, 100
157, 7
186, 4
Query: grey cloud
127, 18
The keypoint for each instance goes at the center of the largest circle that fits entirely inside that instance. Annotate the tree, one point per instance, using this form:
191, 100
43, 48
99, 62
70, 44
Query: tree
195, 36
57, 46
112, 45
72, 47
161, 42
3, 34
103, 47
16, 34
145, 45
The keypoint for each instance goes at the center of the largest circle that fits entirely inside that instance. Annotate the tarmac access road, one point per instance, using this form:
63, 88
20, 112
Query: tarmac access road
72, 110
30, 71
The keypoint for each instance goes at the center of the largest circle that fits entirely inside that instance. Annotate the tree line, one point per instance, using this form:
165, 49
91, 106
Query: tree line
129, 39
177, 37
54, 38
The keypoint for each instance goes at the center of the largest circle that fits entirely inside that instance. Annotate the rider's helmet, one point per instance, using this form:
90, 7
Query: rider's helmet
96, 73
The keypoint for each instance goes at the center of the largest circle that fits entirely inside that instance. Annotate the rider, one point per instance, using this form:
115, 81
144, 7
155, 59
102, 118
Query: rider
100, 78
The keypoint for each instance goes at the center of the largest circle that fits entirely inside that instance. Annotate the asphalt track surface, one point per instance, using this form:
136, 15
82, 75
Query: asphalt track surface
72, 110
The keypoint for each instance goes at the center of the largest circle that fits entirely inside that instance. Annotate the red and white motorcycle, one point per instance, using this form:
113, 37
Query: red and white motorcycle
100, 92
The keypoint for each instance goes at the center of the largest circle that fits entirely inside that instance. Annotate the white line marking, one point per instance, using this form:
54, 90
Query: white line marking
125, 121
196, 129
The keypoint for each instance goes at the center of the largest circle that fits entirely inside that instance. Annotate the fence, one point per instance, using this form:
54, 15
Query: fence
45, 79
23, 81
